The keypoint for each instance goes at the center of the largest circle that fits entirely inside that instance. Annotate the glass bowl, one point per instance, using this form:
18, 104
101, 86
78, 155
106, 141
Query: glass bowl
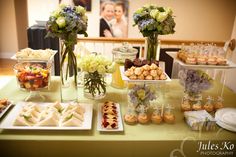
33, 76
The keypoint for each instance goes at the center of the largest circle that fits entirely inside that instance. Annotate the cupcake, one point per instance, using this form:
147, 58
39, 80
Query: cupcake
130, 118
201, 60
211, 61
143, 118
156, 118
169, 117
185, 106
197, 106
191, 60
221, 61
208, 107
219, 103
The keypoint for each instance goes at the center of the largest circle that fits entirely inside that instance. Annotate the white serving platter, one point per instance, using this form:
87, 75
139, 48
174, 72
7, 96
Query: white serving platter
8, 121
99, 119
125, 78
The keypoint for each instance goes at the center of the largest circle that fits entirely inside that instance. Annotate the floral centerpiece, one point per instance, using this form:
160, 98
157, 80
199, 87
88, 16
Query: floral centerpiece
152, 21
65, 23
194, 81
95, 67
142, 94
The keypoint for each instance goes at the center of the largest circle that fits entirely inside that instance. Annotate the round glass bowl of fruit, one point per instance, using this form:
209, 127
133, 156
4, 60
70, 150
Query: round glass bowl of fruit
33, 76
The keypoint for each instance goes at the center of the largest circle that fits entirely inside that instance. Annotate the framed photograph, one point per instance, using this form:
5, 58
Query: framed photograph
87, 4
114, 18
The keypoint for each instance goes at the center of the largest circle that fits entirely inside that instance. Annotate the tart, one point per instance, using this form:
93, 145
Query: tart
156, 118
143, 118
169, 118
130, 118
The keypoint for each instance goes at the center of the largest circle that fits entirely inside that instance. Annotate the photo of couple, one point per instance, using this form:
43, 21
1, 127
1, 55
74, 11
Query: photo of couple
113, 21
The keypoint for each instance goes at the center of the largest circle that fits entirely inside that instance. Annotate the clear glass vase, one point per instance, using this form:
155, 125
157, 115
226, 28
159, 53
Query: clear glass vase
152, 43
94, 85
68, 72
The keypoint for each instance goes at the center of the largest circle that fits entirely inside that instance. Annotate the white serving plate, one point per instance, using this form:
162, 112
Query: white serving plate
6, 109
226, 126
229, 64
99, 119
125, 78
226, 115
8, 121
35, 59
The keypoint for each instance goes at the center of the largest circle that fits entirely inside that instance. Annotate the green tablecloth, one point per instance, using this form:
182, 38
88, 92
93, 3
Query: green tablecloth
137, 140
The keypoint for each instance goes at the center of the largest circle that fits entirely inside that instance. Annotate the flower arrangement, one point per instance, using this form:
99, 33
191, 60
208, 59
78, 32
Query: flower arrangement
66, 22
95, 67
194, 81
142, 94
152, 19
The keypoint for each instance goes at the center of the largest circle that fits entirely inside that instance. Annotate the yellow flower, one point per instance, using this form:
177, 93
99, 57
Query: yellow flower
80, 9
141, 94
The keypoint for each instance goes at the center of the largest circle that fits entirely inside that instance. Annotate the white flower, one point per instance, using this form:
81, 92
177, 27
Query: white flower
139, 11
56, 13
168, 10
154, 13
80, 10
162, 16
61, 22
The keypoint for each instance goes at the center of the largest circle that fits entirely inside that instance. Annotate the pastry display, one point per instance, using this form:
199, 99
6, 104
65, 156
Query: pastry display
201, 57
219, 103
209, 106
32, 75
169, 116
30, 54
53, 115
146, 72
109, 115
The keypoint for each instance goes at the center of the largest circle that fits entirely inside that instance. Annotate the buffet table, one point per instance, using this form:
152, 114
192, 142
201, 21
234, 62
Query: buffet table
137, 140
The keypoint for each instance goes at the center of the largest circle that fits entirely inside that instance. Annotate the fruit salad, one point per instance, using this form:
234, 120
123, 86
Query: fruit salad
32, 76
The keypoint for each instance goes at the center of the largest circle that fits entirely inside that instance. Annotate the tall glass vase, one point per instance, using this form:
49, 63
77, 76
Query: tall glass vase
68, 71
151, 49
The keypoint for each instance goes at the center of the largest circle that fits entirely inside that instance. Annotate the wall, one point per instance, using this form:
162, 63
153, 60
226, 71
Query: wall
196, 19
21, 22
8, 33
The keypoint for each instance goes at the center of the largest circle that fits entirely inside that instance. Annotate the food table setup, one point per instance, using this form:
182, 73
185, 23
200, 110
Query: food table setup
125, 107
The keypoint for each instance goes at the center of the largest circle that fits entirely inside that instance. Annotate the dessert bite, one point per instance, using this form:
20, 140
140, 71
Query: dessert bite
109, 115
131, 117
219, 103
169, 116
209, 106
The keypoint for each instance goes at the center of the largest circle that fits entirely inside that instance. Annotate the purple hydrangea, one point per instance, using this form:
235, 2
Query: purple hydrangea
194, 81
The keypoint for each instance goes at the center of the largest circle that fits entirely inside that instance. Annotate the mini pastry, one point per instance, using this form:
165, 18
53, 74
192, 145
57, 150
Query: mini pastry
133, 77
141, 77
143, 118
162, 77
153, 73
145, 73
209, 107
137, 62
146, 67
211, 61
219, 103
221, 61
191, 60
169, 118
197, 107
130, 118
201, 60
138, 71
159, 71
153, 66
149, 77
156, 118
185, 106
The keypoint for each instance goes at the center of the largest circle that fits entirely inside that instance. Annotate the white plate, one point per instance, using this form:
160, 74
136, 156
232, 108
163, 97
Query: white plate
5, 109
37, 59
226, 126
8, 122
227, 116
41, 22
125, 78
99, 120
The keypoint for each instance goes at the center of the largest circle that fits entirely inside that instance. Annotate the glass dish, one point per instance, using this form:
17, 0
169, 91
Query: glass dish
33, 76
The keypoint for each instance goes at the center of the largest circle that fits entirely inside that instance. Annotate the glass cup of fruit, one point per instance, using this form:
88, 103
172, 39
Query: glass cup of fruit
33, 76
